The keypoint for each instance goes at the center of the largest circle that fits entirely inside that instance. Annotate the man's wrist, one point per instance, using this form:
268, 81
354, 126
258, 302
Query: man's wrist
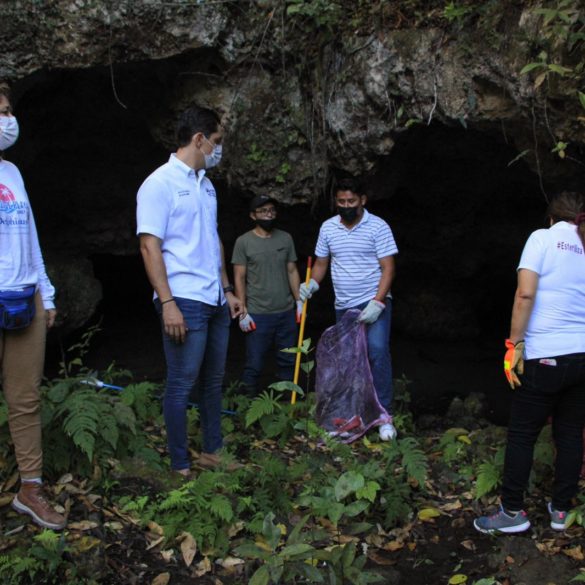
228, 289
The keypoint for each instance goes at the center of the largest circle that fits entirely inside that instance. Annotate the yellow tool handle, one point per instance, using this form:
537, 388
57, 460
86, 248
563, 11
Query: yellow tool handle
293, 398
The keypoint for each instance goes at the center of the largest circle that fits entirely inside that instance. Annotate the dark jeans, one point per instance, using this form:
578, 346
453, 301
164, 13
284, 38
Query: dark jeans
378, 334
546, 390
206, 342
277, 330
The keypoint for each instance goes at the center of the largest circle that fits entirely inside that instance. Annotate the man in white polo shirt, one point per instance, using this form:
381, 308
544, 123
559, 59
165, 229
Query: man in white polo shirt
362, 249
183, 257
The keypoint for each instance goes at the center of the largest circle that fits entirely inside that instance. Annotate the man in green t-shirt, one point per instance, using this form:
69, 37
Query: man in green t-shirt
267, 282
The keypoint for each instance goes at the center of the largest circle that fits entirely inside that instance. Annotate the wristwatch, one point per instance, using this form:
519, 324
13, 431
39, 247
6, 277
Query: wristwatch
227, 289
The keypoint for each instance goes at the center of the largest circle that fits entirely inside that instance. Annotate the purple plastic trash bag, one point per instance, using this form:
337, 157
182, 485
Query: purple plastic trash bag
347, 403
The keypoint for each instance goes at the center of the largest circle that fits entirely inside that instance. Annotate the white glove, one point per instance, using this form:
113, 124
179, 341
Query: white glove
299, 310
306, 290
372, 311
247, 323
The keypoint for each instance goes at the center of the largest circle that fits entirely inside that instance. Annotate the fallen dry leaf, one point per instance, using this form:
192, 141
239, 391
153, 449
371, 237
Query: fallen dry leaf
11, 482
375, 540
114, 525
468, 544
67, 478
393, 545
345, 538
510, 560
168, 554
154, 540
230, 562
188, 547
456, 505
156, 528
427, 514
82, 525
86, 543
161, 579
202, 567
6, 499
235, 529
575, 553
380, 559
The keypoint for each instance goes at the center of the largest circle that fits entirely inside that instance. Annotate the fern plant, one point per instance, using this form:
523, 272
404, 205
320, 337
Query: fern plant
84, 427
205, 508
489, 474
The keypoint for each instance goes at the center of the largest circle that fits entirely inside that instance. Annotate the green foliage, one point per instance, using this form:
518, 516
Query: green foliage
262, 405
285, 561
453, 12
489, 474
321, 13
256, 155
204, 507
43, 561
83, 426
283, 171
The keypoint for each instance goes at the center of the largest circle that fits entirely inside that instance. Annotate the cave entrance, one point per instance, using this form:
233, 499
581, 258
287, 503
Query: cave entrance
461, 211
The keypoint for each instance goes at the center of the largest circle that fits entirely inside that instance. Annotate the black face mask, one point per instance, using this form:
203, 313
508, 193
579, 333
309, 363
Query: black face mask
265, 224
348, 214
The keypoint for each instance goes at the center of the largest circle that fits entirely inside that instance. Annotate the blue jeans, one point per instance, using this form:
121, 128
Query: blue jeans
272, 330
378, 334
206, 342
546, 390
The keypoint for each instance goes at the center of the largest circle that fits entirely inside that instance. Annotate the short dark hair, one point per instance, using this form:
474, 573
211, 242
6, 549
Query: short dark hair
196, 119
349, 184
4, 90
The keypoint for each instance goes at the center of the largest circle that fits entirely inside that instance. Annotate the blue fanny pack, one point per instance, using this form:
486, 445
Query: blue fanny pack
17, 308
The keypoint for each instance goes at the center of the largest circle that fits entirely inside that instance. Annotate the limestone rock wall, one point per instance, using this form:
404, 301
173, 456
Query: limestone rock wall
326, 88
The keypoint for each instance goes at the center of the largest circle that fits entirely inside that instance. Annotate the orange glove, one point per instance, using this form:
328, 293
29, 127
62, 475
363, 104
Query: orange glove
514, 362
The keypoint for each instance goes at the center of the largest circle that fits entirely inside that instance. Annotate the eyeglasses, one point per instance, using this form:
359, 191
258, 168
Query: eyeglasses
265, 211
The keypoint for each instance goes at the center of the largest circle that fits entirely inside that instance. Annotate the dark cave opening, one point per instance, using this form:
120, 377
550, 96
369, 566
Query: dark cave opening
459, 210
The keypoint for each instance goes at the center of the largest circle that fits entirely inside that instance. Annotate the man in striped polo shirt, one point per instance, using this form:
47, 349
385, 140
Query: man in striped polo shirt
362, 248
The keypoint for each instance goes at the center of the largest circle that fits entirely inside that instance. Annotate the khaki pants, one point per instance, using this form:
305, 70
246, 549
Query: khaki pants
22, 356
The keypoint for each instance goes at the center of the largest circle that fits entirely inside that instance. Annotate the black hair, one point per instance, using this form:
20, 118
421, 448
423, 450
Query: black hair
196, 119
349, 184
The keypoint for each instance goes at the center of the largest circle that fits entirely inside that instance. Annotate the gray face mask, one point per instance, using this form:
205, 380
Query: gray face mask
214, 158
8, 131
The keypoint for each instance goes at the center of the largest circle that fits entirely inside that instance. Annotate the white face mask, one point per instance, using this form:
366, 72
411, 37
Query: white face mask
8, 131
213, 159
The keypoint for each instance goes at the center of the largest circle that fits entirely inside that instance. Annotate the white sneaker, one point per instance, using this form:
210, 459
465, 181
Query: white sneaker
387, 432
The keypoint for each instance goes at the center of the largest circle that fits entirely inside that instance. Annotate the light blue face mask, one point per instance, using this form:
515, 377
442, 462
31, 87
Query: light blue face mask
214, 158
9, 131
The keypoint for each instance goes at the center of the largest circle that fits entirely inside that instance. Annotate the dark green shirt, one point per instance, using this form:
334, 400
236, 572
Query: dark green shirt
266, 259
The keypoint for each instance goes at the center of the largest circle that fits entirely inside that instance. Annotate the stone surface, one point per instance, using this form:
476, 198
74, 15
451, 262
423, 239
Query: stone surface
98, 86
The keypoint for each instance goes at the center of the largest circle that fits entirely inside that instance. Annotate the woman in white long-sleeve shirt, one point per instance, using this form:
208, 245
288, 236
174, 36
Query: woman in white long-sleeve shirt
27, 310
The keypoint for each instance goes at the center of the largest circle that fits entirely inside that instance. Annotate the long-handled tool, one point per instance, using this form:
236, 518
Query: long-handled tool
293, 398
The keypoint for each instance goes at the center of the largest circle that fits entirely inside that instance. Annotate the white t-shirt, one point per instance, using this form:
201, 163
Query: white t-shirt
179, 206
21, 260
557, 321
355, 254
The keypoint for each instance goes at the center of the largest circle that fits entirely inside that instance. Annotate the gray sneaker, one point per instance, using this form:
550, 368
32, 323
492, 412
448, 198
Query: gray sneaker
558, 519
502, 521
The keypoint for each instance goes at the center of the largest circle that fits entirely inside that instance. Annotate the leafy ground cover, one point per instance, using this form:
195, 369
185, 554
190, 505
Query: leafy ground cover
301, 508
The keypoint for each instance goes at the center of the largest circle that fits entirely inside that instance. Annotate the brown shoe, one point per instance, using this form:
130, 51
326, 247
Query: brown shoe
213, 460
31, 500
